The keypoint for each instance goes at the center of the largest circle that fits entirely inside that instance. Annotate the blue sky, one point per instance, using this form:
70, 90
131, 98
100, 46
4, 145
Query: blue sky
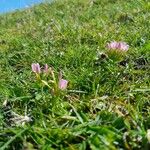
10, 5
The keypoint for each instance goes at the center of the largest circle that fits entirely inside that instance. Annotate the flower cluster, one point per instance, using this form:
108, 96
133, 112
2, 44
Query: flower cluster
59, 83
119, 46
36, 68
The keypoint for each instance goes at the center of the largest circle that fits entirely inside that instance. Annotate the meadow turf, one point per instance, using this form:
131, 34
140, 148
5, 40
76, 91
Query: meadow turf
107, 103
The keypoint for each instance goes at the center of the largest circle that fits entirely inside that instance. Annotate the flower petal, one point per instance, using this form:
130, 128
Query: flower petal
36, 67
62, 84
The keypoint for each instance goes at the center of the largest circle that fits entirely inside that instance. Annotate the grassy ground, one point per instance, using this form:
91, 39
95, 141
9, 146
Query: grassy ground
109, 106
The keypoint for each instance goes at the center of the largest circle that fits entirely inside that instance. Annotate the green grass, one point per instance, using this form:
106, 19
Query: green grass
113, 112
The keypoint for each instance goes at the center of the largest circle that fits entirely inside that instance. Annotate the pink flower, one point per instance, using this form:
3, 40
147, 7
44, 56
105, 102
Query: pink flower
112, 45
36, 68
62, 84
121, 46
45, 68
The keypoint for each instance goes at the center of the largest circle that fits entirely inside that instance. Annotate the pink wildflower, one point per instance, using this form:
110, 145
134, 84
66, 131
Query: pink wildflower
46, 68
36, 68
121, 46
62, 84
